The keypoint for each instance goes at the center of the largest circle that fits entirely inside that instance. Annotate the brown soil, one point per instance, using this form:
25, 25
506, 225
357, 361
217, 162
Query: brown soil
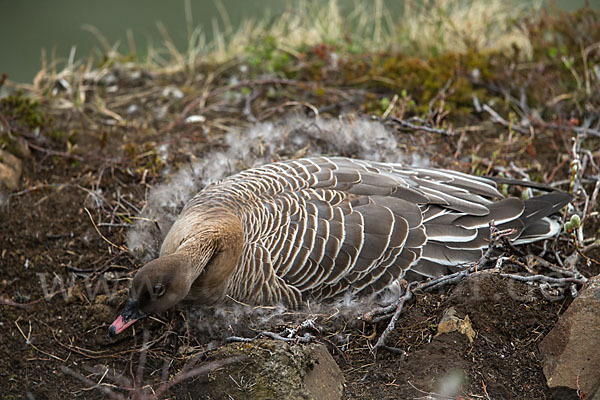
46, 233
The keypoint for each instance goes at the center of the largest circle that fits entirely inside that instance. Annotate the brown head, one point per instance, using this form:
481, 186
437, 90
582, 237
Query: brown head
198, 257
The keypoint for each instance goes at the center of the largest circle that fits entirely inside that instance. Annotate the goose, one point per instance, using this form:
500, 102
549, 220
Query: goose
317, 228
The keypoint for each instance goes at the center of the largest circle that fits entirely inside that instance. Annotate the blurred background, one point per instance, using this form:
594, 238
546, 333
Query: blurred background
27, 27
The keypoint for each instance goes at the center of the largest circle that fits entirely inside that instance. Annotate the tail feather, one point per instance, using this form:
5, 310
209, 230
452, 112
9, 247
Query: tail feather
544, 205
528, 218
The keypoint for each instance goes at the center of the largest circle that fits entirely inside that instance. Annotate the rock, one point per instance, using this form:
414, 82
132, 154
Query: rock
10, 171
15, 145
272, 369
570, 350
324, 379
451, 323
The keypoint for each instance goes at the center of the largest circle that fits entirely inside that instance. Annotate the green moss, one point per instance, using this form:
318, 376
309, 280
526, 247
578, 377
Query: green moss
23, 115
384, 103
144, 157
7, 143
265, 56
57, 135
130, 149
21, 110
419, 81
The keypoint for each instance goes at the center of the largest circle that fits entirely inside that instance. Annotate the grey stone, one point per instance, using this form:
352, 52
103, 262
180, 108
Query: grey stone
271, 370
10, 171
570, 350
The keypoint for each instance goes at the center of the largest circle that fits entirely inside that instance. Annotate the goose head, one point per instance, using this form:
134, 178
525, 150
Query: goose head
156, 287
198, 257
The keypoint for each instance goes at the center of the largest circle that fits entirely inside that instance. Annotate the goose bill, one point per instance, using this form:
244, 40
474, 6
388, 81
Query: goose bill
129, 315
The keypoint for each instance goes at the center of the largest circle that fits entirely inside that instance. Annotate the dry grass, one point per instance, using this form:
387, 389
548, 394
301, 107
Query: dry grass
421, 29
439, 26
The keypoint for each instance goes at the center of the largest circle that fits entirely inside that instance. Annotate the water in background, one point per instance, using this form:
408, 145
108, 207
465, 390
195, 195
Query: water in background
27, 26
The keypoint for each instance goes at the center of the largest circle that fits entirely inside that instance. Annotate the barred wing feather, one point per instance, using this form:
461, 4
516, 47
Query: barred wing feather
318, 227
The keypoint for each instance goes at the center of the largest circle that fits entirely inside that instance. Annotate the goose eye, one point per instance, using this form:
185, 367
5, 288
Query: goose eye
159, 290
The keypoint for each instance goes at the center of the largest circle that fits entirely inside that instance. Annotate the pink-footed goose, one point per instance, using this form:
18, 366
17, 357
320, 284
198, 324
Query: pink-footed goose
315, 228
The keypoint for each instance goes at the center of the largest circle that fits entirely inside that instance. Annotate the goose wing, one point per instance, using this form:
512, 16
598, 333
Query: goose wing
335, 224
350, 224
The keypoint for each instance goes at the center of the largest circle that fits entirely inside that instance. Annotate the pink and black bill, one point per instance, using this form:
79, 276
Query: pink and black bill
129, 315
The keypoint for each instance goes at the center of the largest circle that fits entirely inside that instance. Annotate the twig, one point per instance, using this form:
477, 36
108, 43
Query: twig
581, 251
28, 341
487, 396
7, 302
576, 129
554, 268
272, 110
309, 323
544, 278
391, 349
495, 235
497, 118
241, 84
197, 371
399, 306
448, 279
101, 235
288, 335
390, 107
526, 112
248, 104
107, 391
431, 394
421, 127
306, 338
54, 152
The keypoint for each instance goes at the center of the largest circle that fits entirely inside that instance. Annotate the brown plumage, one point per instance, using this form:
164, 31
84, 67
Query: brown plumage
316, 228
